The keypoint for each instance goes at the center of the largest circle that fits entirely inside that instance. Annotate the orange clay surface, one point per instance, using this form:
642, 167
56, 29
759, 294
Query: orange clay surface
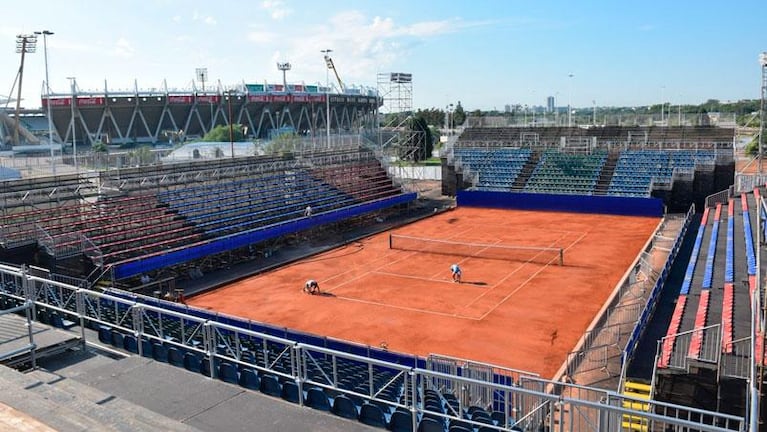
523, 315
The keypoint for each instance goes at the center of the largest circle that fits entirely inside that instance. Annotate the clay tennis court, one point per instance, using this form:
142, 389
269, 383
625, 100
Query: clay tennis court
525, 313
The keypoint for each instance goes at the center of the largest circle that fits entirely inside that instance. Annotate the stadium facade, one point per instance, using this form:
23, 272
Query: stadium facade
165, 115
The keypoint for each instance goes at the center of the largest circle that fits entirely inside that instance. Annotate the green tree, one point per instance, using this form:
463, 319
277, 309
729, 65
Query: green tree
282, 144
420, 141
141, 156
220, 133
459, 115
101, 152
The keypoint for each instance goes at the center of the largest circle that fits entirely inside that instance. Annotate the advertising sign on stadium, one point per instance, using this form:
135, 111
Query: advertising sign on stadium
90, 101
255, 88
209, 99
298, 88
57, 102
180, 99
300, 98
258, 98
311, 89
275, 87
280, 98
316, 98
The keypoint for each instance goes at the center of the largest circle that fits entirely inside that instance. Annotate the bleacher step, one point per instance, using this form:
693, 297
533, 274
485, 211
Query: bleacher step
18, 395
115, 413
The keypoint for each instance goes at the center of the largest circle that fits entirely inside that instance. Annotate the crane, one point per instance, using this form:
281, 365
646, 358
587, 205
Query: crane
329, 63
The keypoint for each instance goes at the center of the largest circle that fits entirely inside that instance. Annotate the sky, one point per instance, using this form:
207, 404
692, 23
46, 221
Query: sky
483, 53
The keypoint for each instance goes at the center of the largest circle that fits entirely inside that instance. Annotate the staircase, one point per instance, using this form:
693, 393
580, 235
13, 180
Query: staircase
636, 390
603, 182
526, 172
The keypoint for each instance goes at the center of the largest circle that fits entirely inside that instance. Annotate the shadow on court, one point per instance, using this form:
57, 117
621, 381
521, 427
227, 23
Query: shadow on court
478, 283
324, 294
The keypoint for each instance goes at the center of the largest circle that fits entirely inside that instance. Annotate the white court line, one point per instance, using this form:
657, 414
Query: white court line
516, 270
411, 309
382, 257
529, 279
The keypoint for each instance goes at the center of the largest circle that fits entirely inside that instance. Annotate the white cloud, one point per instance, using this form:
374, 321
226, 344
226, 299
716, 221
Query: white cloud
210, 20
123, 48
261, 37
362, 45
276, 8
176, 19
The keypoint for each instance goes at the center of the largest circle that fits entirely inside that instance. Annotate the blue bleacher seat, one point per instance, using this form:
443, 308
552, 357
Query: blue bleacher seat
227, 372
159, 352
270, 385
117, 338
290, 392
372, 415
249, 379
317, 399
193, 362
130, 344
105, 334
344, 407
146, 348
401, 421
428, 424
175, 356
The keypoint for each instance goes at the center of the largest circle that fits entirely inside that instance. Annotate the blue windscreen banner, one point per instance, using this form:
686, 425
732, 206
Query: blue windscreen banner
627, 206
243, 239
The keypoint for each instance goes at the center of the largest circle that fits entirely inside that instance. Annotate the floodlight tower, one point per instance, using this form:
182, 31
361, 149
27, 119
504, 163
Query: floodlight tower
763, 64
24, 44
45, 34
328, 65
202, 76
569, 100
284, 67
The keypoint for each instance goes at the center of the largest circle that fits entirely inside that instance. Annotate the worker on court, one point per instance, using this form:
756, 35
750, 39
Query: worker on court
312, 287
455, 269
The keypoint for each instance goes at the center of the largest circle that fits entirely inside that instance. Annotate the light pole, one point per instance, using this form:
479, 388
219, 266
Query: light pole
24, 44
763, 64
326, 53
594, 122
45, 34
229, 96
73, 86
569, 100
662, 104
284, 67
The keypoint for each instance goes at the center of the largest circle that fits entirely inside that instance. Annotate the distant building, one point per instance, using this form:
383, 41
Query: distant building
550, 104
507, 108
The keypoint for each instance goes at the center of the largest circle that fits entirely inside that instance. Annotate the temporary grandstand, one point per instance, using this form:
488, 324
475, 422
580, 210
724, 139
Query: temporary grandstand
81, 243
680, 165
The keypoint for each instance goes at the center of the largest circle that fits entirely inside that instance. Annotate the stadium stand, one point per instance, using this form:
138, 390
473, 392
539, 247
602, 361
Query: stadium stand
564, 173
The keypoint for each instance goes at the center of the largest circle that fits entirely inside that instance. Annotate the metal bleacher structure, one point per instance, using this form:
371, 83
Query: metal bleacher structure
137, 221
127, 223
712, 355
613, 161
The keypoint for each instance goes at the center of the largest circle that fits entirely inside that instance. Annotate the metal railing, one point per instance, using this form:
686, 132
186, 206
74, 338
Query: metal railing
136, 325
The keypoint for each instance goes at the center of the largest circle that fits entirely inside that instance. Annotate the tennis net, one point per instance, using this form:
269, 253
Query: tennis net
541, 255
